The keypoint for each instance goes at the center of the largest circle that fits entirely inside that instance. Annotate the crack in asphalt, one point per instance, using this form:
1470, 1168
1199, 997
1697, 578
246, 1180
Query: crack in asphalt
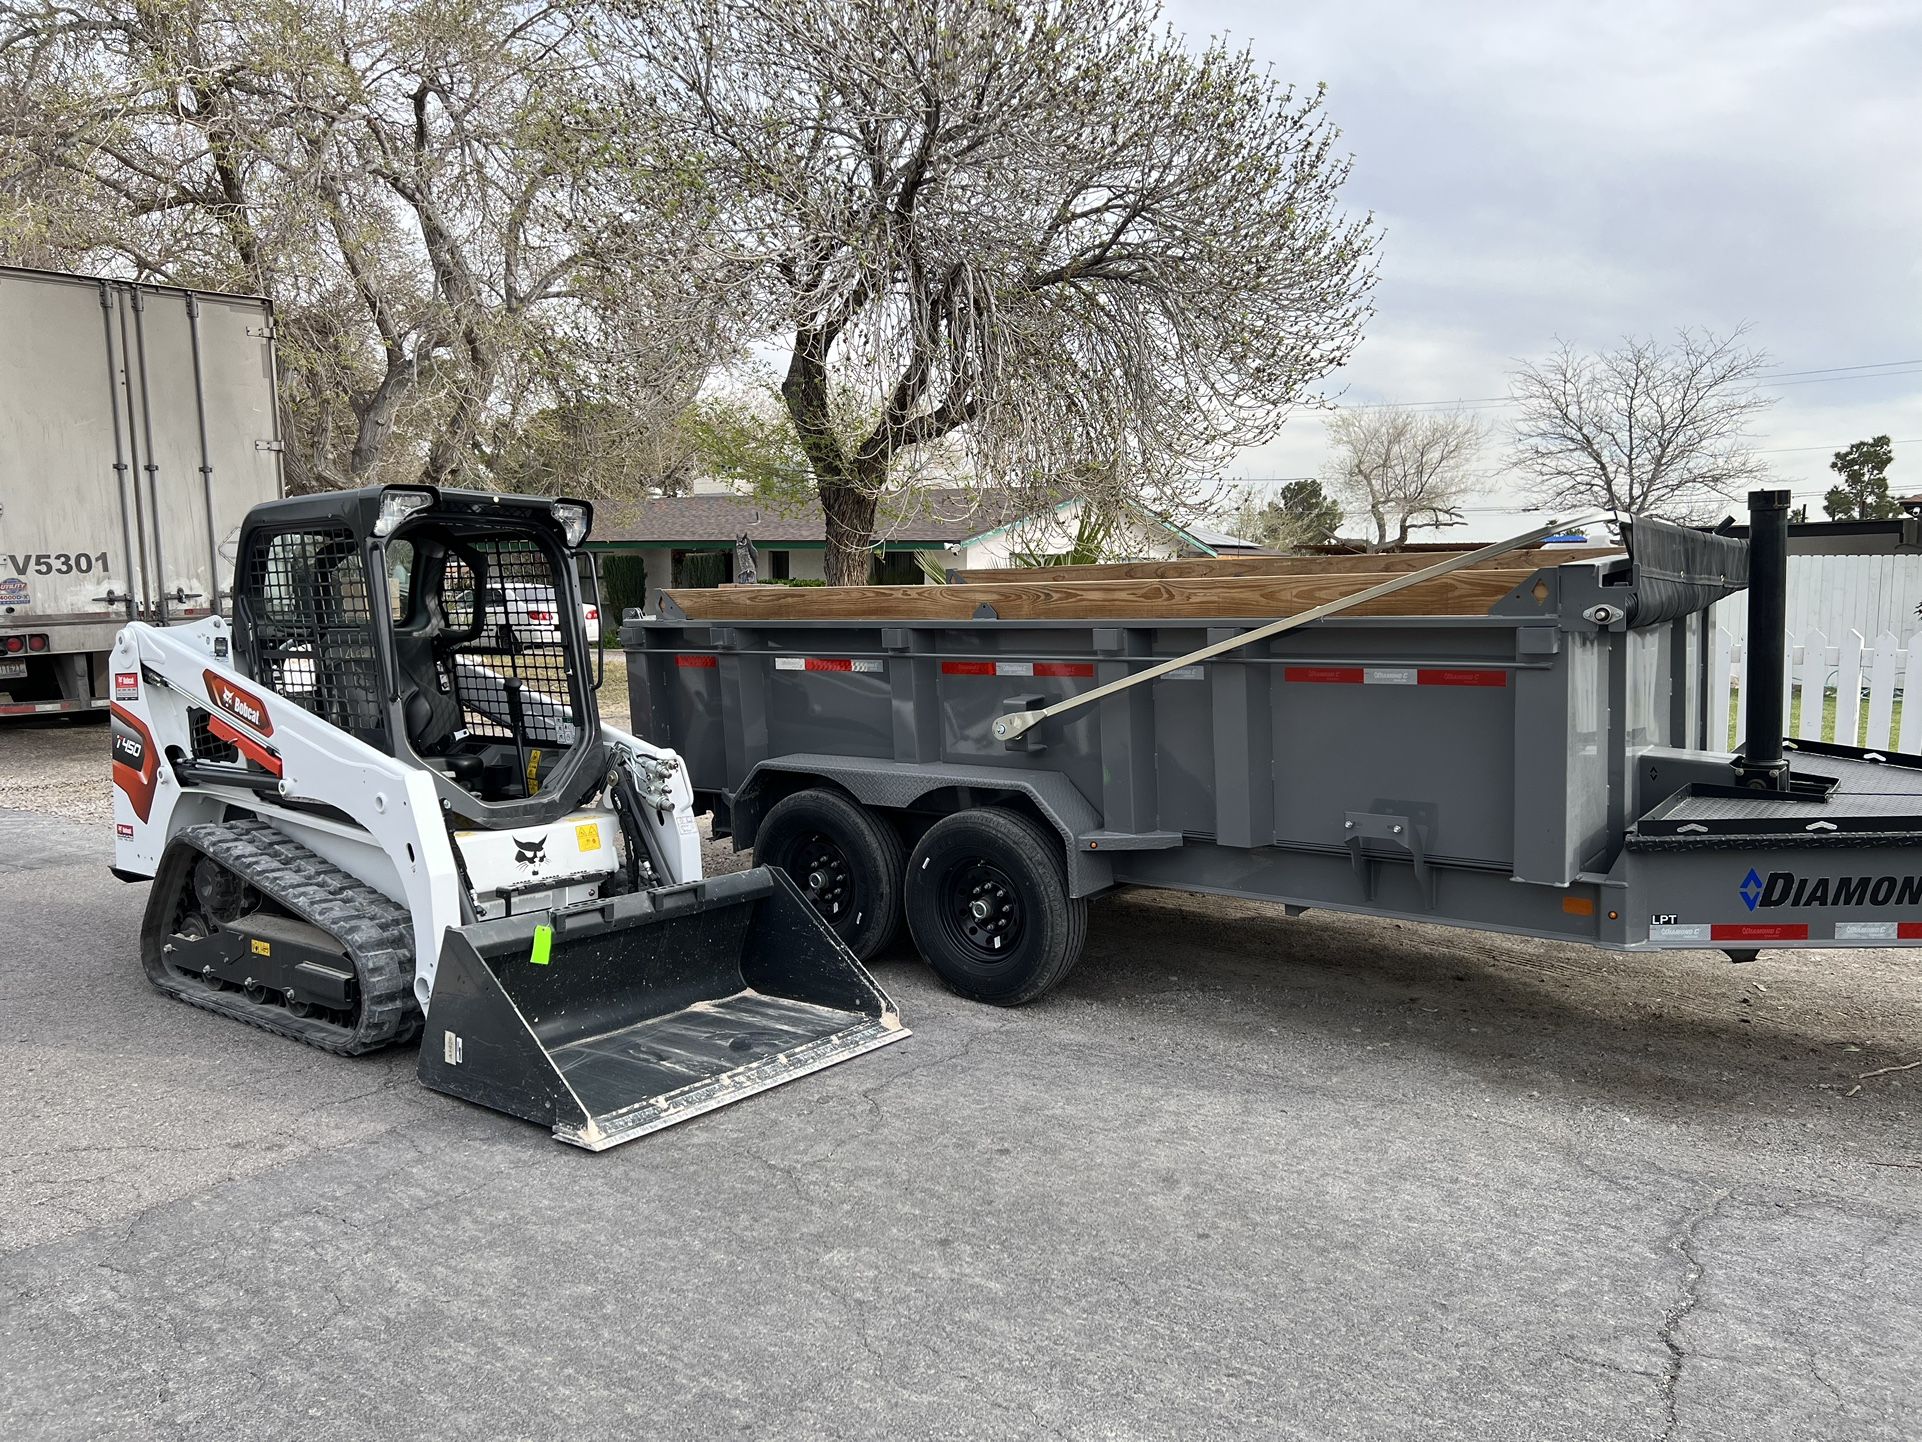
1689, 1297
1603, 1365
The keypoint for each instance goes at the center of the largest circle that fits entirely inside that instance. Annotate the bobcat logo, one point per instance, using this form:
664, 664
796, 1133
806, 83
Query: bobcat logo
530, 853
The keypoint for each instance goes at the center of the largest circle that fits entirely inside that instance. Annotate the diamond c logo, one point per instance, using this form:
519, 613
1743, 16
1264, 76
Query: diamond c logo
1751, 889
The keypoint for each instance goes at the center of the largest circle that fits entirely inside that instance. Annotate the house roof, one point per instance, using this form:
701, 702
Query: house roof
1220, 540
922, 518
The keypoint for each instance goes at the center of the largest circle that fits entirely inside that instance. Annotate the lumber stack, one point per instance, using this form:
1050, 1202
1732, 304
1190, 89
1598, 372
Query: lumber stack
1218, 567
1229, 588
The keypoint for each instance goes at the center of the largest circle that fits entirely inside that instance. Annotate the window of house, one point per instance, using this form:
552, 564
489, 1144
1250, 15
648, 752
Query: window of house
897, 568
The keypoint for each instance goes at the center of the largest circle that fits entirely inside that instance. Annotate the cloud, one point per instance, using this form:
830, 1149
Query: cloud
1548, 170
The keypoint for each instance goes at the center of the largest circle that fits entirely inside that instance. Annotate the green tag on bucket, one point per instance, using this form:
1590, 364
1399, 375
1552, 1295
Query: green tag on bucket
543, 945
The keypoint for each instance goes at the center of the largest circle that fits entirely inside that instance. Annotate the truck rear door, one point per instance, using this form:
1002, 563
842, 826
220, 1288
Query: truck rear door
65, 539
112, 505
199, 377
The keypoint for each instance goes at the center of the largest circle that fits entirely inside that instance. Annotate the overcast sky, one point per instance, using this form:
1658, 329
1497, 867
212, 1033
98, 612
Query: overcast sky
1544, 169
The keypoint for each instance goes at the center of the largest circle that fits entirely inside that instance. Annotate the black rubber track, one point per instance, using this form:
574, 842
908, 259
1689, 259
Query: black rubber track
377, 932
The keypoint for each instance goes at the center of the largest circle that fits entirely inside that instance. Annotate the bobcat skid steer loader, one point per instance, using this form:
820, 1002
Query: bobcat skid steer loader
381, 804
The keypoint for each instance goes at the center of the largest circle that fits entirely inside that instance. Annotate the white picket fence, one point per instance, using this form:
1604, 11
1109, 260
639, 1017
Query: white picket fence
1835, 594
1873, 674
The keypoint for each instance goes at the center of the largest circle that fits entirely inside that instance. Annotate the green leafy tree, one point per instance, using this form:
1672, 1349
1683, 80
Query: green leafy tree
1863, 494
1300, 514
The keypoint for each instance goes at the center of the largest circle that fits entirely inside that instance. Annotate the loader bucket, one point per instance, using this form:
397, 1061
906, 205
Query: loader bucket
610, 1021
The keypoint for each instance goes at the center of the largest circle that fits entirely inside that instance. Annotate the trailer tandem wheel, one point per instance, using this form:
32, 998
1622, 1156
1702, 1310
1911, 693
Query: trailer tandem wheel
988, 906
847, 861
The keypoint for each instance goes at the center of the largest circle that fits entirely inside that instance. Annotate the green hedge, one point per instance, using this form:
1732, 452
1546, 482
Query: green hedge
623, 586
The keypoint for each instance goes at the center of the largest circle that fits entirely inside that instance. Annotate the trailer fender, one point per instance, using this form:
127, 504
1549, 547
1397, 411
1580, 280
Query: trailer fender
898, 785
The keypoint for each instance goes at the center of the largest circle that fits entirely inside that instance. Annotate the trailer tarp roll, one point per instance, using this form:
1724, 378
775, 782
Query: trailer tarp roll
1679, 571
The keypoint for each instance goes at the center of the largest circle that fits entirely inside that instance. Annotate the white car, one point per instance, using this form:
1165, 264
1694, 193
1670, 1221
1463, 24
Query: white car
529, 610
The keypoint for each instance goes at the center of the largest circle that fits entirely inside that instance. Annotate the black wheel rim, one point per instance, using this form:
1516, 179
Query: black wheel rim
820, 868
981, 910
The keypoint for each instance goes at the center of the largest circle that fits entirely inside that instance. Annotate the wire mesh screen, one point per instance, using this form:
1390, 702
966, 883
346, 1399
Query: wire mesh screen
313, 626
513, 610
201, 741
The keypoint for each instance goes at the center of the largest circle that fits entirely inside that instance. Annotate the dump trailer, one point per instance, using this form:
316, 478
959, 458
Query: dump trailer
138, 424
1509, 739
380, 804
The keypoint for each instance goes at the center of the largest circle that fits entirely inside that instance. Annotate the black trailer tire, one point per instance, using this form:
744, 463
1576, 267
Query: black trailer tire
988, 906
847, 861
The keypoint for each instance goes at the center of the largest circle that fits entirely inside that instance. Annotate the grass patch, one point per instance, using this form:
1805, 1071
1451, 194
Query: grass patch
1861, 737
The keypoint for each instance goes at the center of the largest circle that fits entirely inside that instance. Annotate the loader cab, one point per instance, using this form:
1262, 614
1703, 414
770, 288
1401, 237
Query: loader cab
444, 628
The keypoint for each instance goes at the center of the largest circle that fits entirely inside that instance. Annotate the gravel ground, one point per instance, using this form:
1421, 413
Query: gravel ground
1243, 1176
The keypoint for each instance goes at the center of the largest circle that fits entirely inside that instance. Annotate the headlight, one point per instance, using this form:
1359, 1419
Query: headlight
396, 506
573, 517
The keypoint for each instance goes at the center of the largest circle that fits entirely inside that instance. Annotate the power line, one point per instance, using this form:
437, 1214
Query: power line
1824, 370
1785, 450
1879, 375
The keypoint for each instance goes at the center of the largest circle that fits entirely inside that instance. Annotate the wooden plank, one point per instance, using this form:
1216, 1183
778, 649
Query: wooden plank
1848, 691
1911, 736
1720, 665
1465, 593
1815, 685
1882, 692
1217, 567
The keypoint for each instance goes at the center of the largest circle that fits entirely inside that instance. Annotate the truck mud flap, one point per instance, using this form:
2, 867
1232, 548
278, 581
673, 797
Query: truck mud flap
614, 1020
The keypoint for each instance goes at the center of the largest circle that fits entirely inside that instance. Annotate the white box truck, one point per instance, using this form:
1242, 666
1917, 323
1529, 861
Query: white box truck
138, 425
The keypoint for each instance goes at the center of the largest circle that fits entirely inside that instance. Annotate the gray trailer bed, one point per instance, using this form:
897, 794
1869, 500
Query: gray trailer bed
1546, 767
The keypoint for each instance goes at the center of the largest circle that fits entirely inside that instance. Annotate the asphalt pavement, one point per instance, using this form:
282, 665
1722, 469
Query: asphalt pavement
1243, 1176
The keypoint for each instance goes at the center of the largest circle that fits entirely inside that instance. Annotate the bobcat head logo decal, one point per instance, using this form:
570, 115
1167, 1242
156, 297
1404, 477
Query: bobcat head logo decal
530, 853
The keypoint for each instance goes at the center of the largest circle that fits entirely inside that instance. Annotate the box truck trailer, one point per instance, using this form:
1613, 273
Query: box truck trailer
138, 426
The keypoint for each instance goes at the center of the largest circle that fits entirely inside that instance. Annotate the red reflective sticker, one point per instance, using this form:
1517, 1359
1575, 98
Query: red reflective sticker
827, 663
1909, 931
967, 668
697, 663
1446, 677
1752, 931
1064, 668
1327, 675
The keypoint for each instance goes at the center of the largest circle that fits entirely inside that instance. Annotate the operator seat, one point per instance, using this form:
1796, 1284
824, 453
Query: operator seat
432, 715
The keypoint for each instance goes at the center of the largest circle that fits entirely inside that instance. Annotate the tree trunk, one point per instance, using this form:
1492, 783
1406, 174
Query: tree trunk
849, 509
375, 417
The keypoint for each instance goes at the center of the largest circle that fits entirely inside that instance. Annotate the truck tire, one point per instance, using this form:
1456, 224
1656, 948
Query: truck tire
846, 860
988, 906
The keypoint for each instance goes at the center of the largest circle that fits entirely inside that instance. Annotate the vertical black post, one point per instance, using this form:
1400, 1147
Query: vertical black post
1765, 666
517, 722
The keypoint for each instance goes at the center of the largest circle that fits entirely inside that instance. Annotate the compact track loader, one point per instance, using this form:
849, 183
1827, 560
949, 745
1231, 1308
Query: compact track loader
381, 804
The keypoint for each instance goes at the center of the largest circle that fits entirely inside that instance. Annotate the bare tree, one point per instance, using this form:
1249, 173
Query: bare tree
458, 225
1052, 230
1402, 468
1644, 428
